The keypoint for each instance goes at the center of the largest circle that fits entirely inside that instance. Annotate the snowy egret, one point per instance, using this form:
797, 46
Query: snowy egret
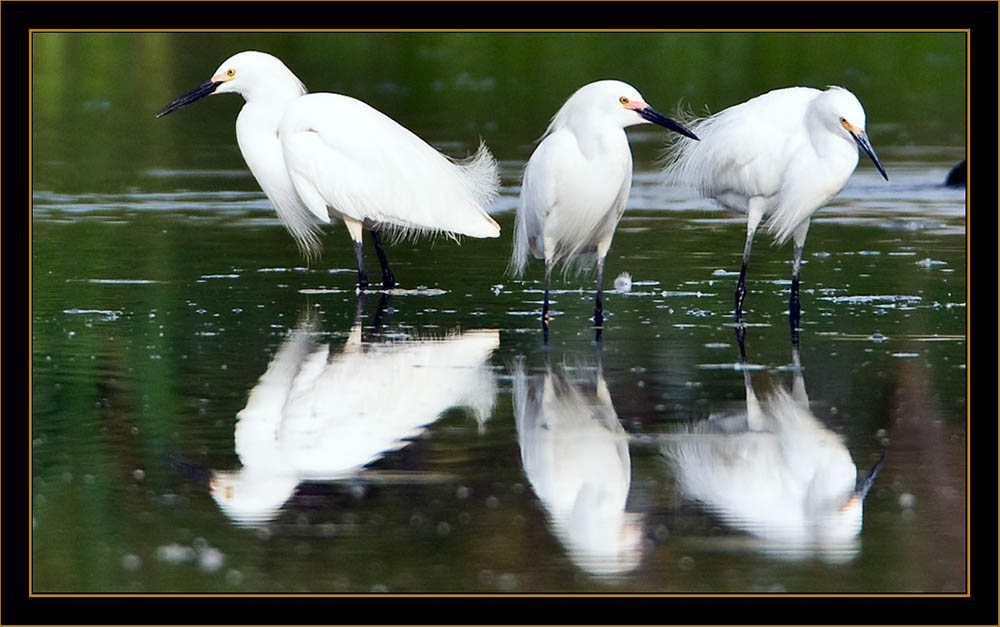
578, 179
322, 414
321, 156
781, 155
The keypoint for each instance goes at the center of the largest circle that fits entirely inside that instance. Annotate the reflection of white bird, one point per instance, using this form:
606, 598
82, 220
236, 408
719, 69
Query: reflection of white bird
775, 472
575, 454
322, 156
578, 179
782, 155
321, 415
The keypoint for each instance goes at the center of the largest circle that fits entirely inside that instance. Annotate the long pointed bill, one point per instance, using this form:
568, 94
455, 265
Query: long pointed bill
196, 94
865, 483
651, 114
861, 138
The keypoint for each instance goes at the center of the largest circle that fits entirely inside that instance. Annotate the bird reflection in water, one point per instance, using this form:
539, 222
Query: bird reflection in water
775, 472
575, 454
319, 414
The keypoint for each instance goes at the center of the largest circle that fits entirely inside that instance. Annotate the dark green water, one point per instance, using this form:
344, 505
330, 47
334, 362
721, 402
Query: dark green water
167, 299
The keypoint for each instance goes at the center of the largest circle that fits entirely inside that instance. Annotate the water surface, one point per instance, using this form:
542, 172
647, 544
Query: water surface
211, 414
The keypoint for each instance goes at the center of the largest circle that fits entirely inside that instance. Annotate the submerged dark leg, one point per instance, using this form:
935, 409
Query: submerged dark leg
545, 302
794, 309
372, 332
741, 291
741, 333
599, 300
754, 215
359, 254
388, 280
381, 312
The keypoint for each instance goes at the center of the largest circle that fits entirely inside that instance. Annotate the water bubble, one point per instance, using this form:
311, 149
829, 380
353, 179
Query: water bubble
174, 553
210, 560
623, 283
131, 562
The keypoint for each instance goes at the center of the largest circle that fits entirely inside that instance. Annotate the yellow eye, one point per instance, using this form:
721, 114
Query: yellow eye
623, 100
230, 73
844, 122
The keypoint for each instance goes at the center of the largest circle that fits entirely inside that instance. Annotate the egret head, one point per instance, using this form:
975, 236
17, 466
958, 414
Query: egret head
843, 112
254, 75
617, 102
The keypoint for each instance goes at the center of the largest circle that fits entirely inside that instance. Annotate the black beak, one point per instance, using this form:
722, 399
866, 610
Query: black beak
196, 94
649, 113
861, 138
865, 483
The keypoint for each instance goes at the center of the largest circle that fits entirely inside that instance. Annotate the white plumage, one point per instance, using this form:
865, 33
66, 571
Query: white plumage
318, 414
775, 471
577, 181
782, 476
780, 157
574, 451
327, 156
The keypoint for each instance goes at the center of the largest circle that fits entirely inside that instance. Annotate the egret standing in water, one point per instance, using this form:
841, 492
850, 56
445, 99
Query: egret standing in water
578, 179
781, 155
322, 156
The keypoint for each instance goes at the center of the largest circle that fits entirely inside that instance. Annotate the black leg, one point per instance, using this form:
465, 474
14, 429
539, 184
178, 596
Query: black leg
388, 280
359, 308
794, 310
741, 292
359, 253
741, 333
545, 305
754, 215
545, 301
381, 313
599, 300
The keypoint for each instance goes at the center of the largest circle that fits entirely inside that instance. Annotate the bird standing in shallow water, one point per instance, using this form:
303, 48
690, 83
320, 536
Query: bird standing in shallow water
322, 156
781, 155
577, 181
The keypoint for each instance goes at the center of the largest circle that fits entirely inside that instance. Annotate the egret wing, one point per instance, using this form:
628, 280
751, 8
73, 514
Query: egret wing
544, 176
348, 159
743, 149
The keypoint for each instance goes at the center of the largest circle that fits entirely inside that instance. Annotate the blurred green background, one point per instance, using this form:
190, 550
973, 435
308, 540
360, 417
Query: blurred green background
94, 95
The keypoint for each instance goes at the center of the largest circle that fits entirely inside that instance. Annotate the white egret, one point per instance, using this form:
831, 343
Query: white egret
781, 155
323, 156
578, 179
